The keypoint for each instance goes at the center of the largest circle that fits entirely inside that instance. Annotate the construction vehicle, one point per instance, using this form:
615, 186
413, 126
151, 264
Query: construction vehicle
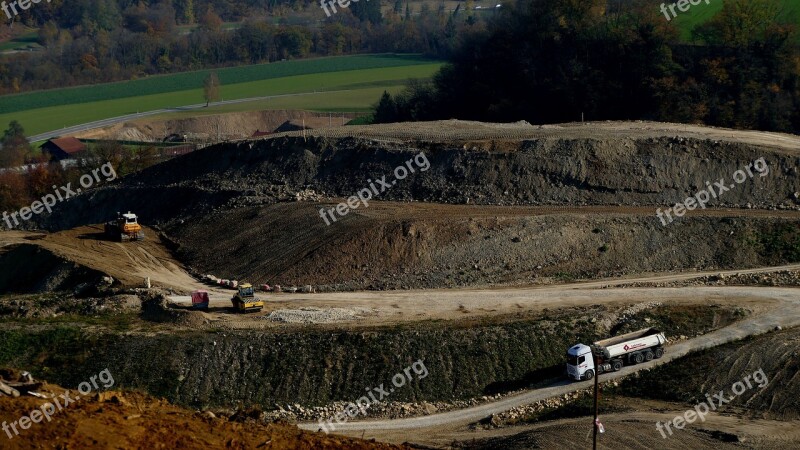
125, 228
245, 299
615, 352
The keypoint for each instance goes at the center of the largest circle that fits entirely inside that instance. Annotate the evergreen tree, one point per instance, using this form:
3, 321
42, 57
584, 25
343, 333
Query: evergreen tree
386, 111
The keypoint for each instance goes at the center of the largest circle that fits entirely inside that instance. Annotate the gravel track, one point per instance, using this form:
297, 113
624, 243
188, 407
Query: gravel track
786, 314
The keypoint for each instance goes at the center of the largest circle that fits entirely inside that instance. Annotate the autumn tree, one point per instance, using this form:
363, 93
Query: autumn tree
211, 88
15, 146
740, 23
210, 20
13, 192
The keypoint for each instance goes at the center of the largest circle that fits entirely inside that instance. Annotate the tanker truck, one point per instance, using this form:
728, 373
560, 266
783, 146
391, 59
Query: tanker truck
615, 352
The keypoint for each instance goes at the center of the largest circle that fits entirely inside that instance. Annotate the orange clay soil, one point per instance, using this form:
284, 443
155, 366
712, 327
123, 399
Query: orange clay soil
131, 420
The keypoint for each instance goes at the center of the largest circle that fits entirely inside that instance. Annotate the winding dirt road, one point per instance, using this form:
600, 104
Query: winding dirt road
785, 311
771, 306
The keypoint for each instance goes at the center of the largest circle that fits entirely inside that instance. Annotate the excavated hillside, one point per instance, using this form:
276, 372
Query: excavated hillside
251, 209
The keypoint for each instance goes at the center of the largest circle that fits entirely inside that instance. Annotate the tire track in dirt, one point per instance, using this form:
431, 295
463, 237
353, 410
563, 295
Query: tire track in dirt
128, 262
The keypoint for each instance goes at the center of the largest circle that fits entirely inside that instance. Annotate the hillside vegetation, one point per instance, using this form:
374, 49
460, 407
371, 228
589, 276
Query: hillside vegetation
551, 61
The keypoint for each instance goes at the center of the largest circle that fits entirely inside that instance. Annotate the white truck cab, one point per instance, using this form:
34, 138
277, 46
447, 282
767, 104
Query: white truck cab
579, 361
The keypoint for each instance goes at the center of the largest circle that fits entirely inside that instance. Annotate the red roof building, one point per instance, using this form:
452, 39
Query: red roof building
63, 148
260, 133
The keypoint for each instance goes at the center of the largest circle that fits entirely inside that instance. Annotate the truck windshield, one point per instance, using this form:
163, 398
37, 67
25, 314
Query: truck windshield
575, 360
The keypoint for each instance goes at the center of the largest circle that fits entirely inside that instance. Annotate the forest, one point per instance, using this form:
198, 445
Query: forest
549, 61
95, 41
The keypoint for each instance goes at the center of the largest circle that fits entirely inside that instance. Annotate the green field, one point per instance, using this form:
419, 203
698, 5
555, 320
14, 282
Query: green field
162, 84
24, 41
355, 100
699, 14
363, 87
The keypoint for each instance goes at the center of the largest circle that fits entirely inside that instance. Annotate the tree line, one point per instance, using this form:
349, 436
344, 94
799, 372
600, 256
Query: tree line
548, 61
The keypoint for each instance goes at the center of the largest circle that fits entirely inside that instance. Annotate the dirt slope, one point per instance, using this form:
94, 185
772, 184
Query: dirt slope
61, 260
236, 125
487, 164
417, 245
134, 421
251, 209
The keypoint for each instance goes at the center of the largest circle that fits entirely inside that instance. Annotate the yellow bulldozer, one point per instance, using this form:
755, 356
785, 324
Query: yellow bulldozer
245, 299
125, 228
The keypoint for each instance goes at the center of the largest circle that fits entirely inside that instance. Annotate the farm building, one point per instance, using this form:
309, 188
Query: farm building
63, 148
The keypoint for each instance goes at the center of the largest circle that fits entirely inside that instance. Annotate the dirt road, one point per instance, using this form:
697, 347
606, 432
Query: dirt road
462, 129
383, 308
786, 313
634, 430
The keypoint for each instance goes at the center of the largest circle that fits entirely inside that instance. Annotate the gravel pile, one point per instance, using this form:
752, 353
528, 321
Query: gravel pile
318, 315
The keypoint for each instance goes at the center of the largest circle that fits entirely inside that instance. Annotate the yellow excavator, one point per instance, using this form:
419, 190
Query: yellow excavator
125, 228
245, 299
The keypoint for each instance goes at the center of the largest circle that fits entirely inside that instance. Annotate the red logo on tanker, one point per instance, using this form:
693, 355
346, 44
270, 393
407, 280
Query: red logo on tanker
628, 347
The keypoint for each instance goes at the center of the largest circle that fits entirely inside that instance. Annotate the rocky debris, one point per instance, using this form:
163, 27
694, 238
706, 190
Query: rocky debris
7, 390
519, 413
380, 410
318, 315
98, 287
306, 195
778, 278
14, 383
397, 410
232, 284
619, 319
54, 305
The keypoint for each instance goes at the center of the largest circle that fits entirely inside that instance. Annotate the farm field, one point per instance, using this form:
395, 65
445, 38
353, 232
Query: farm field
350, 100
162, 84
368, 83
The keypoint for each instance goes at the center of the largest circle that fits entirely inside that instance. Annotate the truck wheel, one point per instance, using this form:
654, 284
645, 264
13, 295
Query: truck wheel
659, 352
638, 358
648, 356
589, 374
616, 365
